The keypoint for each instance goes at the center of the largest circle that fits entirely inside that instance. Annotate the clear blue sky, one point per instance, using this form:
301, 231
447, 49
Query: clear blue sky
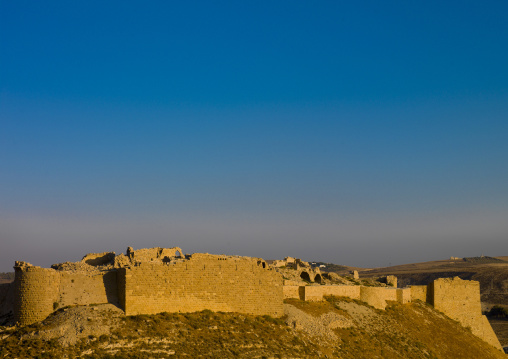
360, 133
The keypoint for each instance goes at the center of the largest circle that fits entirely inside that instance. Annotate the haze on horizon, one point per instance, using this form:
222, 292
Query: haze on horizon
363, 134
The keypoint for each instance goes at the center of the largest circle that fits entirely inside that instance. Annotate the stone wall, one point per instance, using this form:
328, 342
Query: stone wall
460, 300
81, 288
293, 291
149, 281
36, 292
218, 283
377, 296
419, 292
404, 295
391, 280
456, 297
316, 293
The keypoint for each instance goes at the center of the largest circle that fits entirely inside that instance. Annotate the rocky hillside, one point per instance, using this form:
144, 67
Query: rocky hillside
337, 328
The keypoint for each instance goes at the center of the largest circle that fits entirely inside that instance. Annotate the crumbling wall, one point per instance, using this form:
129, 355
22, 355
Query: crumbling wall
460, 300
391, 280
36, 292
316, 293
153, 254
377, 296
218, 283
81, 288
99, 259
419, 292
404, 295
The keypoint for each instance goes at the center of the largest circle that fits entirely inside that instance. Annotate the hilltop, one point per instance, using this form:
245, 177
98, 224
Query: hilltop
336, 328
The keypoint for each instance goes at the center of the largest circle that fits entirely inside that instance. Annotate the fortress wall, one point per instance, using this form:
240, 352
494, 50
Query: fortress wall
456, 298
377, 296
419, 292
36, 290
291, 291
218, 283
460, 300
404, 295
482, 328
81, 288
316, 293
312, 293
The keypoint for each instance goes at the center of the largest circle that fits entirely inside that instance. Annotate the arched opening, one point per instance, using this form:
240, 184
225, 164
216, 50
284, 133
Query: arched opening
305, 276
318, 278
178, 254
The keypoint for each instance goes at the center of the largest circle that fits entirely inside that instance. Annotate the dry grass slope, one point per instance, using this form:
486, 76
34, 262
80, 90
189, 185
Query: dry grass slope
337, 328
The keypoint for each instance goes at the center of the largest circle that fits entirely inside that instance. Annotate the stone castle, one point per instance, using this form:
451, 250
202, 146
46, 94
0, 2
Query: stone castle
155, 280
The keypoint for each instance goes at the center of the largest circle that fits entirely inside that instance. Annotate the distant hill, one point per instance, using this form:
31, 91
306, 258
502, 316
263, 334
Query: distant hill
6, 277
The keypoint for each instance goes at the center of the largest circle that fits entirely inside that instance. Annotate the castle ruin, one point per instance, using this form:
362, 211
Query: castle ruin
155, 280
149, 281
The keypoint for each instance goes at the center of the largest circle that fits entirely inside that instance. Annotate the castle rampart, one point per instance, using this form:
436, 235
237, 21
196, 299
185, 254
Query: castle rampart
155, 280
218, 283
78, 288
149, 281
460, 300
419, 292
37, 291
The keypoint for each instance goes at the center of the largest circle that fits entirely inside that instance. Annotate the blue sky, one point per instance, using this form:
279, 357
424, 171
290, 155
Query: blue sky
363, 133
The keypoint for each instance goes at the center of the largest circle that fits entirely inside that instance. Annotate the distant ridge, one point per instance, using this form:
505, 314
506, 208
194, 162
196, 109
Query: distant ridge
483, 260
